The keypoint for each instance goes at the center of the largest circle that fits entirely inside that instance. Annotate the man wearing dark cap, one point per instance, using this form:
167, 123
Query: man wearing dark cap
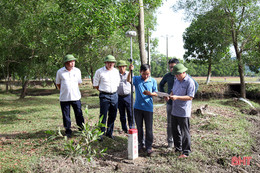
169, 79
106, 81
183, 92
124, 97
68, 79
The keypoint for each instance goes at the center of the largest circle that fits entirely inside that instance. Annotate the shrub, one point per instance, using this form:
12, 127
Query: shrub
84, 144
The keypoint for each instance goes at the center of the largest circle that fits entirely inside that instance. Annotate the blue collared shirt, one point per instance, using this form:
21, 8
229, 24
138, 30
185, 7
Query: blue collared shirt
186, 87
144, 102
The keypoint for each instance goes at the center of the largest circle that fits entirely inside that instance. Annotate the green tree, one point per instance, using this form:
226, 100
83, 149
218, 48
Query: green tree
244, 26
226, 67
159, 65
206, 40
143, 16
35, 35
22, 42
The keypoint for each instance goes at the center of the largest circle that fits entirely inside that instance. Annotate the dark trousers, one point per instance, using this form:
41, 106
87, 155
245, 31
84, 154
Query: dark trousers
181, 134
108, 106
124, 106
65, 109
169, 123
147, 117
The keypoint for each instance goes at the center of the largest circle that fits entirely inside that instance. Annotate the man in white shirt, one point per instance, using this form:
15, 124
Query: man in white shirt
124, 97
106, 81
68, 79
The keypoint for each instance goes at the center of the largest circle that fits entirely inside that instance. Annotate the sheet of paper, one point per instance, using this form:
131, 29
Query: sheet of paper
162, 94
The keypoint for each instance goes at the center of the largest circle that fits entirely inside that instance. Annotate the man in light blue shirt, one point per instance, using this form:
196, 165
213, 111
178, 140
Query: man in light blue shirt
145, 88
183, 92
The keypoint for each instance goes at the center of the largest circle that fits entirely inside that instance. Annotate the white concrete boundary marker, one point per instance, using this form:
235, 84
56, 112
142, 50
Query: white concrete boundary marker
132, 144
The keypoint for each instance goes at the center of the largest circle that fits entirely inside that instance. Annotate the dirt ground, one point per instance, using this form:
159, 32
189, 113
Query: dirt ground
115, 160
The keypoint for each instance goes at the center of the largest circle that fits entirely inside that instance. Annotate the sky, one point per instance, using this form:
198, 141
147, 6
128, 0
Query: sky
172, 24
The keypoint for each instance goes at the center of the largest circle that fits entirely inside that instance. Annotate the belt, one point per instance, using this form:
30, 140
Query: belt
102, 92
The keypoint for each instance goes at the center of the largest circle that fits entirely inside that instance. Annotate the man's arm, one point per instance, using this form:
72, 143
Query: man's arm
96, 80
154, 90
162, 83
182, 98
96, 87
131, 67
149, 93
58, 85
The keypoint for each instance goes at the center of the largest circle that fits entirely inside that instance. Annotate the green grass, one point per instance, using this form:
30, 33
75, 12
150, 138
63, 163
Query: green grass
215, 139
227, 79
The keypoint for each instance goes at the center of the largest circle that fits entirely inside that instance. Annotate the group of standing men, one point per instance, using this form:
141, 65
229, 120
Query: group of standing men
115, 93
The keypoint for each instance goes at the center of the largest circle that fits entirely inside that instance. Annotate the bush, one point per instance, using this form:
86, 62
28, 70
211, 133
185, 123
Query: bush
84, 144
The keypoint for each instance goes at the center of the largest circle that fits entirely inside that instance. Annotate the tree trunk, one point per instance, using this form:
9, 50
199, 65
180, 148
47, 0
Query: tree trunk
7, 85
90, 70
239, 59
8, 78
23, 93
209, 74
148, 48
91, 74
241, 75
141, 34
55, 84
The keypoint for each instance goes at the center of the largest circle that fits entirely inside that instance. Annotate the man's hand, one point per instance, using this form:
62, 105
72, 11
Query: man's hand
182, 98
131, 67
173, 97
58, 86
128, 79
96, 87
147, 93
166, 98
150, 93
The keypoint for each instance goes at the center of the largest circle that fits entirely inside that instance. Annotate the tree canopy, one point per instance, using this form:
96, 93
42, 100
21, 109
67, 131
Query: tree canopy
36, 34
243, 27
206, 41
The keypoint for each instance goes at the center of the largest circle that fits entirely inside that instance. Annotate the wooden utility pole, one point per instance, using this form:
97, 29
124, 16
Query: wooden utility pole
141, 34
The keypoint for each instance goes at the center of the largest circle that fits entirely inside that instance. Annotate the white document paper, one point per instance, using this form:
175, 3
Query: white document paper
162, 94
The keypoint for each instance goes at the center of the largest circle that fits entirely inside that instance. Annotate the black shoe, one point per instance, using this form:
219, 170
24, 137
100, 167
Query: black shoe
141, 149
80, 129
110, 136
177, 151
100, 138
149, 152
68, 135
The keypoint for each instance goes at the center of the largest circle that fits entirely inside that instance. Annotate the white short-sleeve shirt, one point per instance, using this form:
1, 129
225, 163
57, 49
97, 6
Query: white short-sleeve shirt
107, 80
69, 84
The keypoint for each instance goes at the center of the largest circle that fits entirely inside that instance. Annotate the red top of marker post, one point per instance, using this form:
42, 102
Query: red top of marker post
132, 131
